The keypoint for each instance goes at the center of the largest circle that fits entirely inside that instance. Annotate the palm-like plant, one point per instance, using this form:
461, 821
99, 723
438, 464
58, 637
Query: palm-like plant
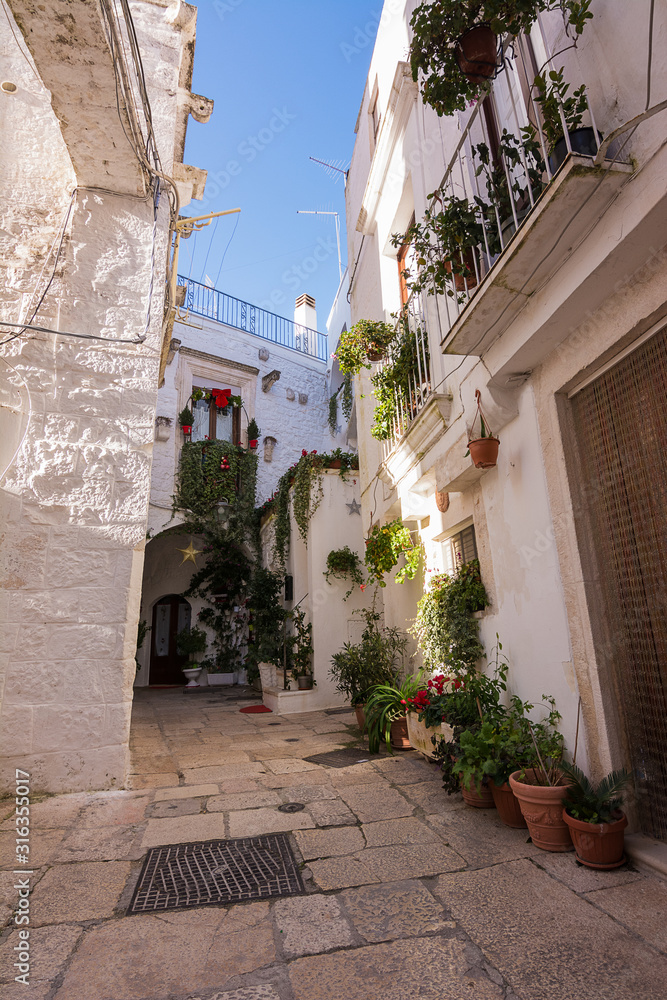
589, 803
387, 702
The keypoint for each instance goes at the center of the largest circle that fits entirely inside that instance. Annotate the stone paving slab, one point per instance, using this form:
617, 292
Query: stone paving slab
317, 777
332, 812
111, 843
399, 909
113, 809
249, 993
44, 847
379, 801
185, 792
183, 830
310, 925
642, 907
333, 842
424, 968
390, 863
244, 800
152, 780
256, 822
76, 892
50, 948
57, 812
535, 930
480, 837
170, 953
289, 765
407, 831
582, 879
178, 807
222, 772
341, 873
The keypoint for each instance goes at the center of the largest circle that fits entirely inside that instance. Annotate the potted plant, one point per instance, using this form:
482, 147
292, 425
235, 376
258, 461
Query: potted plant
456, 58
400, 384
358, 667
365, 342
186, 419
301, 650
444, 242
384, 547
476, 766
344, 564
562, 110
594, 817
253, 434
483, 450
540, 784
386, 713
190, 642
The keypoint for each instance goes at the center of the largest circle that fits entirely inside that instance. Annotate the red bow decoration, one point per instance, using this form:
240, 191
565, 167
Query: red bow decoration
221, 397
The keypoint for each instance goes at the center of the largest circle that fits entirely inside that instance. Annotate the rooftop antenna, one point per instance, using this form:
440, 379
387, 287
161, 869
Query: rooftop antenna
331, 166
335, 214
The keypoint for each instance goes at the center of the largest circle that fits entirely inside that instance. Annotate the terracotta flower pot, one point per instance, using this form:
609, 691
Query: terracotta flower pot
477, 53
478, 796
598, 845
399, 734
361, 716
461, 282
484, 452
542, 808
336, 464
376, 355
508, 806
304, 682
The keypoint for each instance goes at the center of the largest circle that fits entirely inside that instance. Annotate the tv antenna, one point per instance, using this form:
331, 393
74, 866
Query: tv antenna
337, 219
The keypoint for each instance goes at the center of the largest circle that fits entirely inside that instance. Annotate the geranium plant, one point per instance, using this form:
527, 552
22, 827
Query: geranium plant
438, 25
366, 337
385, 546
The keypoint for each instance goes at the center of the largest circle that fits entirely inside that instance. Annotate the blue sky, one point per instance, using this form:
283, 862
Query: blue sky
287, 80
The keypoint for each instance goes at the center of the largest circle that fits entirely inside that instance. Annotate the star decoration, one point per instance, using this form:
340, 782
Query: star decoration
354, 507
190, 554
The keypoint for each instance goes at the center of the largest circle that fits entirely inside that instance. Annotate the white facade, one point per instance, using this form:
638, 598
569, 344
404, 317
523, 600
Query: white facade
83, 253
581, 281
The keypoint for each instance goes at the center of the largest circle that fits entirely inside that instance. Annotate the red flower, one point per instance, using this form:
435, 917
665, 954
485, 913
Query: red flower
362, 586
314, 451
303, 453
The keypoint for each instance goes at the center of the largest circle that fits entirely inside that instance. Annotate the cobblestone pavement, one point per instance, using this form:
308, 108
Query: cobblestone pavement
409, 893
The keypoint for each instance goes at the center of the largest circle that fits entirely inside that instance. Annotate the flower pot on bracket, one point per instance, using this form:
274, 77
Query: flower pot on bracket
305, 682
598, 845
582, 140
484, 452
253, 444
186, 428
477, 53
542, 808
461, 282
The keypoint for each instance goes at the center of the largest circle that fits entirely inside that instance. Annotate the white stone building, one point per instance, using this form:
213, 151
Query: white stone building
562, 329
86, 150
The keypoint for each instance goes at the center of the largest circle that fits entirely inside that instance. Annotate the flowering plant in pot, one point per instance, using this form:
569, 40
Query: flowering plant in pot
594, 817
362, 344
386, 713
452, 74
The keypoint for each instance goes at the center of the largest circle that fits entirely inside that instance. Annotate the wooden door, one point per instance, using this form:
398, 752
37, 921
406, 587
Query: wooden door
171, 614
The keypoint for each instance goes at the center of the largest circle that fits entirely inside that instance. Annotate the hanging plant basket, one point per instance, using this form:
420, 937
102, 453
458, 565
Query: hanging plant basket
483, 450
476, 53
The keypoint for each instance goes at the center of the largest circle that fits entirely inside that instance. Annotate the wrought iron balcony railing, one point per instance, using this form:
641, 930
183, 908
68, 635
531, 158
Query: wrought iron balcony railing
223, 308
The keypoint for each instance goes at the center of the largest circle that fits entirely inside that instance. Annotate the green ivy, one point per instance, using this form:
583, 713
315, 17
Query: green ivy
445, 629
385, 546
344, 564
393, 382
210, 472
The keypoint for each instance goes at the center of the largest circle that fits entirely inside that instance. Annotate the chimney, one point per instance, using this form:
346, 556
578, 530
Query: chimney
305, 313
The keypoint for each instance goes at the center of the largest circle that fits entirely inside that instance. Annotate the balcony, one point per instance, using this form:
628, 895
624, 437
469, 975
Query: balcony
503, 226
222, 308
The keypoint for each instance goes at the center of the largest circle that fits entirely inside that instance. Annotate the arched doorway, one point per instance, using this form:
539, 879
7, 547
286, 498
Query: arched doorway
171, 614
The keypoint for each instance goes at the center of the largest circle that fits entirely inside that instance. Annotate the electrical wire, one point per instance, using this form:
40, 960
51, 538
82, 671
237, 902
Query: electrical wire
10, 21
229, 243
210, 244
66, 333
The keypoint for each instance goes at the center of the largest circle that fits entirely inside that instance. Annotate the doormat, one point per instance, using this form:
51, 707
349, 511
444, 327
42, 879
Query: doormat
254, 709
341, 758
215, 873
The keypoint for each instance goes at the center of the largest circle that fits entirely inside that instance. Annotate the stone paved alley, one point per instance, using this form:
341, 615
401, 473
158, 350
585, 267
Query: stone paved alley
409, 893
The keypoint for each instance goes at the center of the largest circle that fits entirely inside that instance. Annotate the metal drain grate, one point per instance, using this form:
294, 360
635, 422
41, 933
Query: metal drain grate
291, 807
215, 873
340, 758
